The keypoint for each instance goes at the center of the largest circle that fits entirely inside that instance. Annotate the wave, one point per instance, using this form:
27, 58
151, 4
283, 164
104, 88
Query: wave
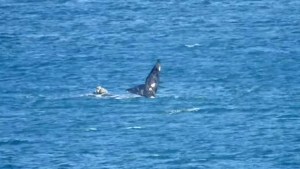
14, 141
193, 109
121, 96
134, 127
192, 45
117, 97
92, 129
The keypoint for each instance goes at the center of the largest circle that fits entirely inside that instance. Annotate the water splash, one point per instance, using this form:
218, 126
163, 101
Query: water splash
194, 109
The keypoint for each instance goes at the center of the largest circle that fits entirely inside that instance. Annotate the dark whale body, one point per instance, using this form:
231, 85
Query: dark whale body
150, 87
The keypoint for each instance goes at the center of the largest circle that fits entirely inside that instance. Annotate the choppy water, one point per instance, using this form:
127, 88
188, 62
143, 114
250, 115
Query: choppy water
229, 97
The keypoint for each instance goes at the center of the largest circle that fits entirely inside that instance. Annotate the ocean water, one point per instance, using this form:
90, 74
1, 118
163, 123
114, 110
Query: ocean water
229, 96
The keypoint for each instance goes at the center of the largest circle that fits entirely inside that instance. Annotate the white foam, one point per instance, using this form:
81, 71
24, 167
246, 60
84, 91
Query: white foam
174, 111
118, 97
92, 129
98, 95
192, 45
194, 109
125, 96
134, 127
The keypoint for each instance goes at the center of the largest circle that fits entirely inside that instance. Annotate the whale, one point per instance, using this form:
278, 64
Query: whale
150, 87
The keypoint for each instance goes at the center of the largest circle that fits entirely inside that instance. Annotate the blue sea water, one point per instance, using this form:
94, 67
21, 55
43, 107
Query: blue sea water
229, 96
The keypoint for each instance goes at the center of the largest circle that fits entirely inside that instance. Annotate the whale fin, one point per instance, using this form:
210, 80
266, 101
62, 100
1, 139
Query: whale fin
150, 87
152, 80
